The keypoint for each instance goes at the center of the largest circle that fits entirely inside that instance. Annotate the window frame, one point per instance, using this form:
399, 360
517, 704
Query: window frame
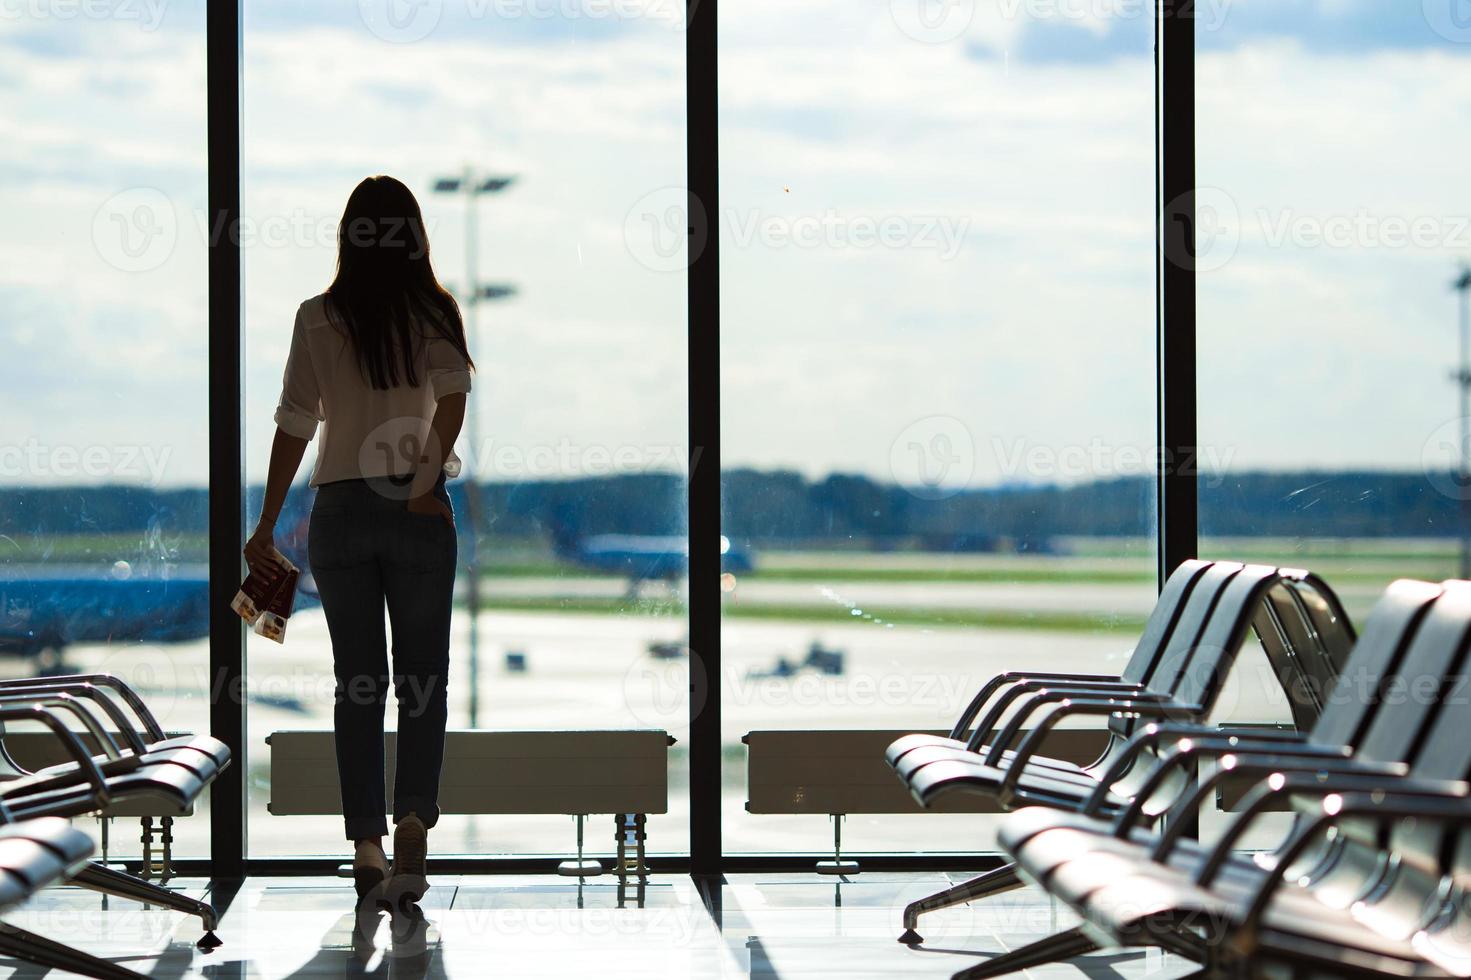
1175, 381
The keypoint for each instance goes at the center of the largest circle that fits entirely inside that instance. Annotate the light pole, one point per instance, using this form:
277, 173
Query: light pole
473, 185
1463, 382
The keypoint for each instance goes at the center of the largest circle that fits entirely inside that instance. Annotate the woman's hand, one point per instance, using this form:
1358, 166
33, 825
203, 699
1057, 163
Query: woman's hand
431, 505
261, 548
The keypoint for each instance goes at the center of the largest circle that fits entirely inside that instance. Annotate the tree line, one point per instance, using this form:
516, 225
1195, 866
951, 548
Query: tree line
778, 508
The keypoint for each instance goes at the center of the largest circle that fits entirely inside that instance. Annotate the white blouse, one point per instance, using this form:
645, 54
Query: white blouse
365, 431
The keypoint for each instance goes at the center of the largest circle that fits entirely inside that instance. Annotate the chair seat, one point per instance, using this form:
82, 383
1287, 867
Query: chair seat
937, 749
69, 843
153, 769
161, 789
210, 746
36, 853
36, 863
1033, 786
1155, 899
901, 747
168, 782
201, 765
1115, 884
917, 760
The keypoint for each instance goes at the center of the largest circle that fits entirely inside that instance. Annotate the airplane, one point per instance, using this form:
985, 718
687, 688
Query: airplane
46, 607
640, 557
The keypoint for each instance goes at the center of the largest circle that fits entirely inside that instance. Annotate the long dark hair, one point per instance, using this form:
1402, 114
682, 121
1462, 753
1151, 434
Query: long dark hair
385, 296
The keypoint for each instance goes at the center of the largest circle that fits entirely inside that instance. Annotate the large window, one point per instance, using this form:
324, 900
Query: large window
104, 452
937, 244
938, 272
578, 414
1332, 216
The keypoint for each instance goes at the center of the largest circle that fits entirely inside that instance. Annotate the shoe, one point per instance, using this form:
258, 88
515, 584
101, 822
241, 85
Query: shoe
410, 859
369, 868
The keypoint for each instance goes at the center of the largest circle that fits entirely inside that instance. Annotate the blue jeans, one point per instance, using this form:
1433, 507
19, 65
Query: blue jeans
368, 550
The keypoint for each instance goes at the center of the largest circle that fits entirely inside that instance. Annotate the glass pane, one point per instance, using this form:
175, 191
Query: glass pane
579, 403
103, 313
1331, 225
937, 246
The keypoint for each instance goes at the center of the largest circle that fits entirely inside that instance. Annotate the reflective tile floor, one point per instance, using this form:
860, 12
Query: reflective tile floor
767, 926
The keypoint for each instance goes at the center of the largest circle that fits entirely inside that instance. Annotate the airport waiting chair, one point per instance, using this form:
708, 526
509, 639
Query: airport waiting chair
33, 854
107, 691
1135, 676
166, 775
1198, 639
40, 850
1305, 634
1340, 904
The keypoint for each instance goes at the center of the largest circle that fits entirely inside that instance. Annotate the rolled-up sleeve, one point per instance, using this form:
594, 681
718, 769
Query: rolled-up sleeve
300, 408
448, 371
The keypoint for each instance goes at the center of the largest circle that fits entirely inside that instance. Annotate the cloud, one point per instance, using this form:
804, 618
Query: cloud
1040, 326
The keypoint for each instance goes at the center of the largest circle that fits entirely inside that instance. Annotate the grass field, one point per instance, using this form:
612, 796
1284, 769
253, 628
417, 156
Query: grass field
1067, 591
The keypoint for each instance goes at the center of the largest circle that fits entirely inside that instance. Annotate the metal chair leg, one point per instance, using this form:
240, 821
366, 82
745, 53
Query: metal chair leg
995, 882
31, 948
1053, 949
103, 879
147, 838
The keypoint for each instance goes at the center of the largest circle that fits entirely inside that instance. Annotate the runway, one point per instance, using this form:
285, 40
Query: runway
591, 670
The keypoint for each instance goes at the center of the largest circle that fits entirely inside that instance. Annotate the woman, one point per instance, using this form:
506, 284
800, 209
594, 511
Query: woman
380, 360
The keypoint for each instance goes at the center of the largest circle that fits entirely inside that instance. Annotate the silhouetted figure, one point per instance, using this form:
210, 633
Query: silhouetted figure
380, 361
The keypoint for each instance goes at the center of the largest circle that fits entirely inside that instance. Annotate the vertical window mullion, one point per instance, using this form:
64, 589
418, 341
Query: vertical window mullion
1176, 311
703, 175
226, 460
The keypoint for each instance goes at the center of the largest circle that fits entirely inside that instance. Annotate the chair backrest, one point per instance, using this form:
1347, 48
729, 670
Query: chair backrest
1389, 650
1391, 689
1180, 645
1307, 638
1203, 671
1162, 620
1435, 690
1332, 629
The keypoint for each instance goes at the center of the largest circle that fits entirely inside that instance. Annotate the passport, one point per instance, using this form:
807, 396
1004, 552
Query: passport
266, 599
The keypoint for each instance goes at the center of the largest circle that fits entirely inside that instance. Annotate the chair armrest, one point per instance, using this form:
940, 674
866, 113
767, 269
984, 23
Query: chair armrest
1120, 699
151, 727
86, 765
1388, 804
1155, 734
989, 689
1264, 766
1317, 785
1055, 714
73, 706
985, 729
73, 703
91, 692
1240, 731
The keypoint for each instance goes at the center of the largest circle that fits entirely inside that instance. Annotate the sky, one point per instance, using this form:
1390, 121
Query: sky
936, 228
